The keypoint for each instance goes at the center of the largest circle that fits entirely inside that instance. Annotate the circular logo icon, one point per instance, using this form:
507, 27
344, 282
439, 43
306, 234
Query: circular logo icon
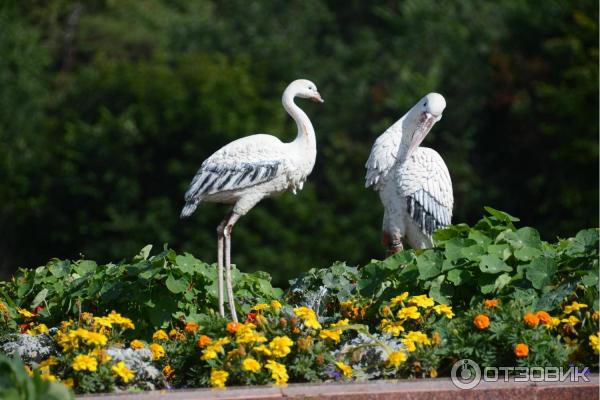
465, 374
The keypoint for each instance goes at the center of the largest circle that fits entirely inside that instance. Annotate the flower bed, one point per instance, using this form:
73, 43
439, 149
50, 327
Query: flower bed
491, 293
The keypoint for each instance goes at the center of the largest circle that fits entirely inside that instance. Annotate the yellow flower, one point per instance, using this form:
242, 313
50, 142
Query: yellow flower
250, 364
260, 306
48, 377
308, 316
245, 333
572, 320
157, 350
393, 327
121, 370
344, 305
575, 306
276, 305
554, 322
340, 323
94, 339
218, 378
208, 354
101, 355
445, 310
118, 319
280, 346
191, 327
398, 299
396, 358
49, 362
263, 349
103, 321
84, 363
595, 343
278, 372
422, 301
213, 348
137, 344
168, 371
332, 335
3, 308
414, 337
409, 312
345, 368
25, 313
160, 335
175, 334
68, 382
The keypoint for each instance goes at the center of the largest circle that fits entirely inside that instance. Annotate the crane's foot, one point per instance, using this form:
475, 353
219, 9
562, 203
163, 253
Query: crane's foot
393, 244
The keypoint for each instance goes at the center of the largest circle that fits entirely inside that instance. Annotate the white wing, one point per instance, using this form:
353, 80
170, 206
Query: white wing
425, 182
383, 154
242, 163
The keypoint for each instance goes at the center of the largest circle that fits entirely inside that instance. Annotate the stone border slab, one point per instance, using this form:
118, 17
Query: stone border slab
420, 389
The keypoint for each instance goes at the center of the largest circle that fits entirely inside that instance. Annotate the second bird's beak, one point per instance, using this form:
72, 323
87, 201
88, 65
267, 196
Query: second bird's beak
317, 98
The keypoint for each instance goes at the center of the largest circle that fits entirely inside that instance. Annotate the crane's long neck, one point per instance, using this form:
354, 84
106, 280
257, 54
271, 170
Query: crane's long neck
306, 132
414, 129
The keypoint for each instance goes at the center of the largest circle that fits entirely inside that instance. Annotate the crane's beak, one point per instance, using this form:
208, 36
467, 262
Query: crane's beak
317, 98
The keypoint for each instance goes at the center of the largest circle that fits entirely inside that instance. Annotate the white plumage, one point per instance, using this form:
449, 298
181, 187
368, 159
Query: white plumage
413, 182
249, 169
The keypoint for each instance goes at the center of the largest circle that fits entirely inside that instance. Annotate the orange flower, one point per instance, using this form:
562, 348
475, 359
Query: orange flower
203, 341
191, 327
521, 350
491, 303
481, 321
544, 317
531, 320
233, 326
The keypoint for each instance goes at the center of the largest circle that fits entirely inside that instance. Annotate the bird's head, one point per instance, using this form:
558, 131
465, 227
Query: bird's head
425, 114
305, 89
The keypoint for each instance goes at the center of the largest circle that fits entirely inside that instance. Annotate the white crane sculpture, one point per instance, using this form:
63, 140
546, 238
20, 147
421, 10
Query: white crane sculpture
249, 169
413, 182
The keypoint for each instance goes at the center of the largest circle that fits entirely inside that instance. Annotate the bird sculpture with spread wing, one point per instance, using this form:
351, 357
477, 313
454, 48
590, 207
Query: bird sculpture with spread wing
249, 169
413, 182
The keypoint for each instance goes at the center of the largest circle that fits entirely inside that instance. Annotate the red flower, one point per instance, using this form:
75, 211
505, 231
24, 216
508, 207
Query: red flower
251, 317
24, 328
37, 309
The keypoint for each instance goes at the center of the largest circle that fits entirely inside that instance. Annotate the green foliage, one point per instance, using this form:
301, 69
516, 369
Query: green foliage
152, 288
107, 108
492, 258
16, 384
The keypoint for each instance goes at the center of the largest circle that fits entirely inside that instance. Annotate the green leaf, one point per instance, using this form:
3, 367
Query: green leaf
501, 251
591, 279
429, 264
473, 252
551, 300
527, 253
492, 265
176, 285
501, 281
459, 276
186, 263
454, 248
540, 271
480, 238
39, 298
501, 215
85, 267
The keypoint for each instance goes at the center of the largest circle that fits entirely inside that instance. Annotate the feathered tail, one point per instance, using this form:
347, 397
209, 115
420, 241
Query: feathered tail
189, 209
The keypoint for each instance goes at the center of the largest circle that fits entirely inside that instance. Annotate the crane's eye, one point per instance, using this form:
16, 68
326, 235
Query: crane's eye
425, 104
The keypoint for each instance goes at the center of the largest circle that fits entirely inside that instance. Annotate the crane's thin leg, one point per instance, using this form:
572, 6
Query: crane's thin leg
227, 232
220, 249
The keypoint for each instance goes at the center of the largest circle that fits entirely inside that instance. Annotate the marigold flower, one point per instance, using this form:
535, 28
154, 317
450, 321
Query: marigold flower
160, 335
340, 323
393, 327
308, 316
157, 350
121, 370
191, 327
443, 309
83, 362
218, 378
260, 307
398, 299
118, 319
422, 301
203, 341
168, 371
276, 305
101, 355
345, 368
544, 317
48, 377
491, 303
280, 346
245, 333
103, 321
396, 358
278, 372
531, 320
68, 382
263, 350
25, 313
250, 364
436, 338
571, 321
411, 312
595, 343
418, 337
596, 315
521, 350
304, 343
481, 321
95, 339
575, 306
332, 335
137, 344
